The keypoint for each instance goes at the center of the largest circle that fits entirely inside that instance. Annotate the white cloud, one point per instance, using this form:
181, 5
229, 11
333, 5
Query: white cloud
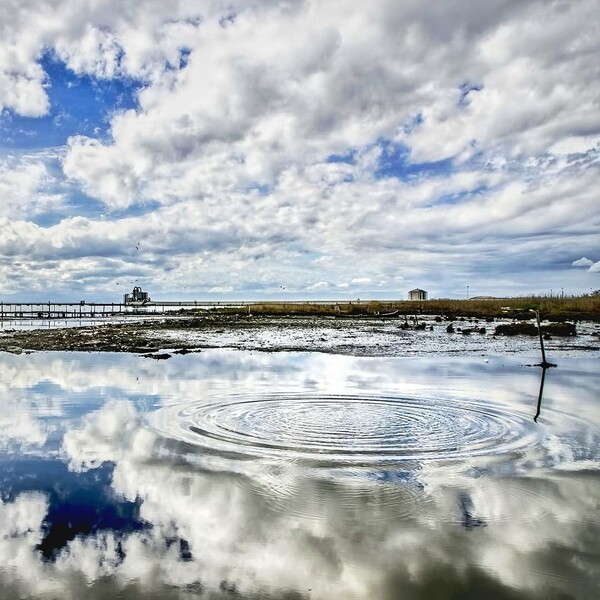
95, 52
334, 86
107, 176
23, 190
583, 262
595, 268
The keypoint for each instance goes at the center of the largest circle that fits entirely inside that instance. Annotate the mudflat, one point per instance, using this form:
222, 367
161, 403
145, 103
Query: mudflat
353, 335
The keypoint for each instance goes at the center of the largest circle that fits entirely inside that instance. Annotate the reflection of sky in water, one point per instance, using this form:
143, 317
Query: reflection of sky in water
126, 475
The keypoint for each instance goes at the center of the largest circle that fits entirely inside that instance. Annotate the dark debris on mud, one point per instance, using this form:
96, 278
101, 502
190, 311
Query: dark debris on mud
524, 328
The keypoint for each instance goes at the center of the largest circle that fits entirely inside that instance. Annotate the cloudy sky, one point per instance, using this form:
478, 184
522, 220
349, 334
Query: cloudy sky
298, 148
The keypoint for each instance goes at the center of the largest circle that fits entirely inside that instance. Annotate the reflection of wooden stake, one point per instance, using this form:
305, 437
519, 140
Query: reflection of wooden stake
539, 402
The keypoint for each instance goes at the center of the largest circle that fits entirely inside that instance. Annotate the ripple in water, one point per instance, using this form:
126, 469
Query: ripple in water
348, 429
321, 493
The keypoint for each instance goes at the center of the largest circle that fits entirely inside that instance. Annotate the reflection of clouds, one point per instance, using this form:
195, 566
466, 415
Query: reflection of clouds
223, 522
17, 426
20, 410
342, 548
45, 393
22, 518
20, 532
233, 538
71, 378
64, 377
347, 535
107, 435
541, 521
91, 557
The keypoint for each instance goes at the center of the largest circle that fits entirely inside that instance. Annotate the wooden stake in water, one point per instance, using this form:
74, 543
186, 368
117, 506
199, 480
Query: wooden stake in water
544, 364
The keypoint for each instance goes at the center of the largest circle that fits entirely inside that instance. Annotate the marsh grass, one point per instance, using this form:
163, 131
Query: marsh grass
576, 307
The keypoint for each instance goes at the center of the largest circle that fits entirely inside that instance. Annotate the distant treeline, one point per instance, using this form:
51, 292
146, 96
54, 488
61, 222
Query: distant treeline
556, 308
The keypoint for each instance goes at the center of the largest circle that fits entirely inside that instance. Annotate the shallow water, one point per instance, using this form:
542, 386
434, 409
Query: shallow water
28, 324
228, 474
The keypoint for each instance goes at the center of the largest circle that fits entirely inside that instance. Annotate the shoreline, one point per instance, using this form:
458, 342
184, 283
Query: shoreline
352, 335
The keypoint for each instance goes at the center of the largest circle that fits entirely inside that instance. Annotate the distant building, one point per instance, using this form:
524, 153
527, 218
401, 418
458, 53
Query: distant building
137, 295
417, 294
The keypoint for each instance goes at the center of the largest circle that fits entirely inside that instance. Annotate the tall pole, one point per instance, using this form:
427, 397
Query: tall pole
537, 318
544, 364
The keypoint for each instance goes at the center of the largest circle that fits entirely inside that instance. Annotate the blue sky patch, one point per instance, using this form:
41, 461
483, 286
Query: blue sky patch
413, 123
262, 189
459, 197
349, 158
395, 162
79, 105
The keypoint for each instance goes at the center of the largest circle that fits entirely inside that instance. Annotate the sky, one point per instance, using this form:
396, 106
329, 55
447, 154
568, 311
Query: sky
287, 149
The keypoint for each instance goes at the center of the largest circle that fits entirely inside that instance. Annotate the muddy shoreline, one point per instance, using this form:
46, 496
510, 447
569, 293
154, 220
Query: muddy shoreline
372, 336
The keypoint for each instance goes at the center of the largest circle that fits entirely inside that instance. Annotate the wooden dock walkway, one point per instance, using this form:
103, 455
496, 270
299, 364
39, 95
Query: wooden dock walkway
90, 310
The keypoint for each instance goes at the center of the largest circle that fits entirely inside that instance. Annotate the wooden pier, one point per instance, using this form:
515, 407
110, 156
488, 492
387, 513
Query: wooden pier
59, 310
90, 310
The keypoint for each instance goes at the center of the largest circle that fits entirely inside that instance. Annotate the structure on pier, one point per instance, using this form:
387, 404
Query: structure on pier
137, 295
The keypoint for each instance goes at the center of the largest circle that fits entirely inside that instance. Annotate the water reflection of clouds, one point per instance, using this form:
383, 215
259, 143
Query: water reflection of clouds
345, 546
348, 535
186, 377
232, 537
47, 392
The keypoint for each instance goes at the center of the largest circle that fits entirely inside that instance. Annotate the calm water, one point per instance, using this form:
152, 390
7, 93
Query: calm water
229, 474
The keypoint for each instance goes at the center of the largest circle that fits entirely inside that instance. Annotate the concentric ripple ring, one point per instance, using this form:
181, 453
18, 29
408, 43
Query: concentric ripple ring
348, 429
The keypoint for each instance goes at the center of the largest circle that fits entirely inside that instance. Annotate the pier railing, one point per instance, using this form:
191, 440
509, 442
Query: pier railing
90, 310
